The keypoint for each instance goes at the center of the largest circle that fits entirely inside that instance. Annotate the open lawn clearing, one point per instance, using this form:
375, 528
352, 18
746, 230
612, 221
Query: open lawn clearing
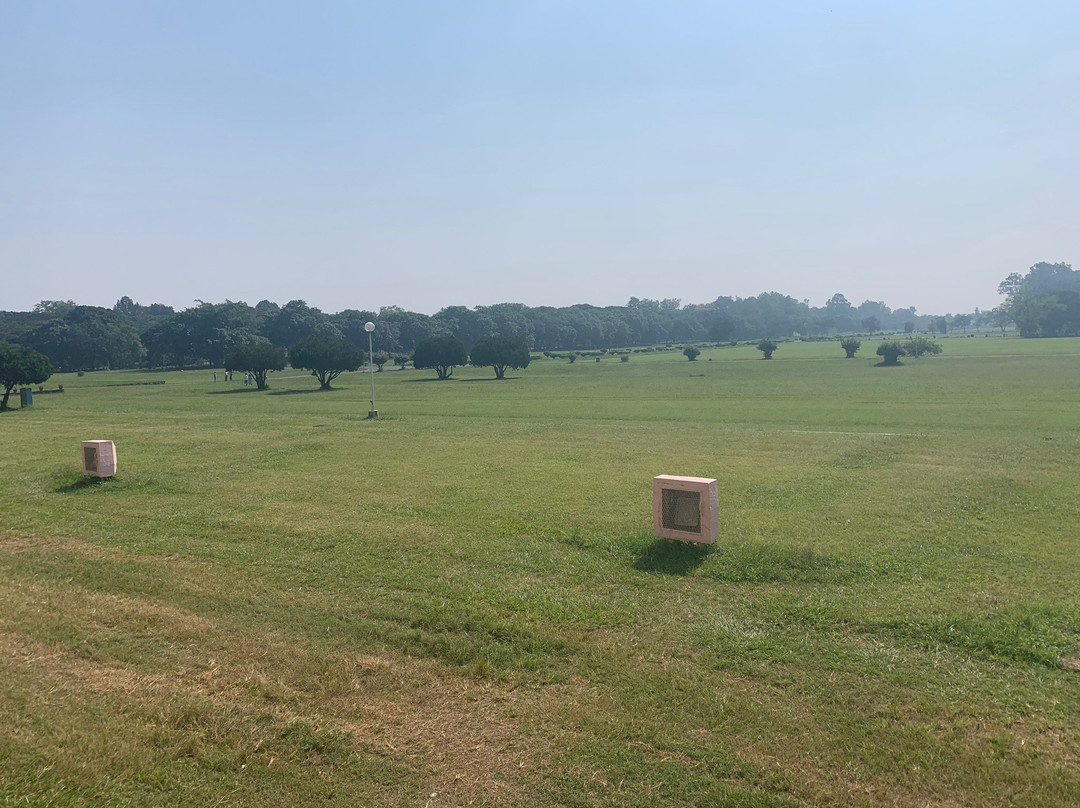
277, 602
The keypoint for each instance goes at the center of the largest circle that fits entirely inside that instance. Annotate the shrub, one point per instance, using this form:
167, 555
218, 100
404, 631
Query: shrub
691, 353
767, 347
890, 352
921, 346
850, 346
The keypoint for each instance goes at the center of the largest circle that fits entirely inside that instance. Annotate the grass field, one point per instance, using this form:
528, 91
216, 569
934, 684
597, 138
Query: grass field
277, 602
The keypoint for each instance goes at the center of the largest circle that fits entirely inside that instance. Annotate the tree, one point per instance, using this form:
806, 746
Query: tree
767, 347
850, 346
890, 351
326, 358
21, 365
440, 354
1045, 302
501, 351
1000, 317
256, 358
871, 324
691, 353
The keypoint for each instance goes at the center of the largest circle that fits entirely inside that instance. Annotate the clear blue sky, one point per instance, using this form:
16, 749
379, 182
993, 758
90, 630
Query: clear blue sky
425, 154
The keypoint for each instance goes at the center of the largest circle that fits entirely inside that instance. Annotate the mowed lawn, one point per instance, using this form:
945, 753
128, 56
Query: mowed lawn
277, 602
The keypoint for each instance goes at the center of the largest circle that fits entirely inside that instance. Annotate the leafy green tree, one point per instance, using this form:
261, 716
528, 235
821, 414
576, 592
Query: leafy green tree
326, 358
691, 353
258, 359
890, 351
850, 346
21, 365
501, 351
767, 347
441, 354
999, 317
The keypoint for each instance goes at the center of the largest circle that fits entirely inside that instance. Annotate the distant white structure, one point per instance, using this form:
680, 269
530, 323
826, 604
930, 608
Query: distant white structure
99, 458
686, 509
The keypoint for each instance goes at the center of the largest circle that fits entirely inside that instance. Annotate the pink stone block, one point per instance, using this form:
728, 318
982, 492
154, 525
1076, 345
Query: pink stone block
686, 508
99, 458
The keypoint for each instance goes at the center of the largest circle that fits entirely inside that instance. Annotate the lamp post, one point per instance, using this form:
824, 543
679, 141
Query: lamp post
369, 327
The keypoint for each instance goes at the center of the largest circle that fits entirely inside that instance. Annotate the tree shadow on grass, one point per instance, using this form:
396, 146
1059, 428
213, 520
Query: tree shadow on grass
490, 379
672, 557
304, 392
233, 392
430, 379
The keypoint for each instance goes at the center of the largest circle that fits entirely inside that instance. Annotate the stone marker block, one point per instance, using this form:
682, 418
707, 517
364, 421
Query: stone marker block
99, 458
686, 508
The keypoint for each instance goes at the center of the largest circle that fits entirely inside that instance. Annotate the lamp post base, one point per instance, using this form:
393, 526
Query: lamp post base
373, 414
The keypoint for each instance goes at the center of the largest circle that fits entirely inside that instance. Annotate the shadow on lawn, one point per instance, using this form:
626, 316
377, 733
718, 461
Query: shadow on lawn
672, 558
303, 392
71, 482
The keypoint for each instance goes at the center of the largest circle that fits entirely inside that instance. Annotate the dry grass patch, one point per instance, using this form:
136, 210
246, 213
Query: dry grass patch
456, 735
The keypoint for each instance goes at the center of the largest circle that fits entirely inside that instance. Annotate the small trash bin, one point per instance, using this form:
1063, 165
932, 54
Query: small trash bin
26, 397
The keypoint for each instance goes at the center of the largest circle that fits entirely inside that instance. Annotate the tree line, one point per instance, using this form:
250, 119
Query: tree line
1045, 302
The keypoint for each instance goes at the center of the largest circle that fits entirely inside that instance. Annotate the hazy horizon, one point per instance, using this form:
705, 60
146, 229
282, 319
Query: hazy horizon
546, 153
334, 308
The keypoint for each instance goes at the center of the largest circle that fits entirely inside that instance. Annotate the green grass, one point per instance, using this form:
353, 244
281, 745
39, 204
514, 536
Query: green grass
278, 602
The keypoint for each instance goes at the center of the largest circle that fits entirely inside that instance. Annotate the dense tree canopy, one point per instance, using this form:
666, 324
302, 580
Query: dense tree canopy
21, 365
501, 351
441, 354
85, 338
326, 358
1043, 303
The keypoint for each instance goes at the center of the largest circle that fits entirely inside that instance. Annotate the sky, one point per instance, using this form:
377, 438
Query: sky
426, 154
